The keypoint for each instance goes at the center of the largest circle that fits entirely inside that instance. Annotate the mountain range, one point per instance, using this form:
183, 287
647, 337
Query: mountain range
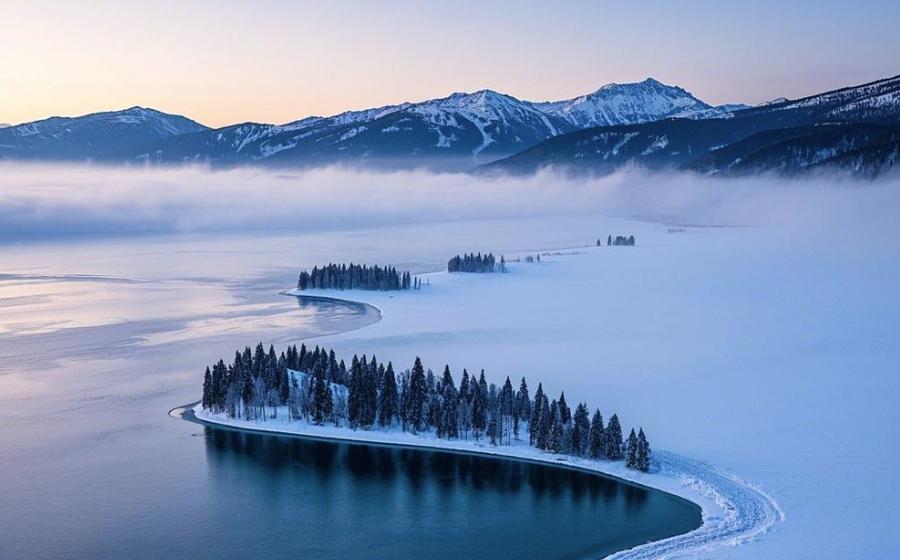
853, 129
458, 131
647, 124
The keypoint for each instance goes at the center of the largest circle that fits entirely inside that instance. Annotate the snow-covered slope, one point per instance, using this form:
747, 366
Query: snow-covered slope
92, 135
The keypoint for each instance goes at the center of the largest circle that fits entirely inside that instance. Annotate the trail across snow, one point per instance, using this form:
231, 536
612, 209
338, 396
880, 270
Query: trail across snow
742, 511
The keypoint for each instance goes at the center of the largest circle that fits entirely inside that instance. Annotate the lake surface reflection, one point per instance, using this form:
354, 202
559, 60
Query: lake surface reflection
317, 499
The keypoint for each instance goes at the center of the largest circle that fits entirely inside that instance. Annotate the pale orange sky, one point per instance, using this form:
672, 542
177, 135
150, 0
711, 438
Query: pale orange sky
275, 61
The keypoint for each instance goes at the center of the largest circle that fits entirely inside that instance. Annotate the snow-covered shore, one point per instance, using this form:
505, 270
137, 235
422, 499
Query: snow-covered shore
733, 510
767, 352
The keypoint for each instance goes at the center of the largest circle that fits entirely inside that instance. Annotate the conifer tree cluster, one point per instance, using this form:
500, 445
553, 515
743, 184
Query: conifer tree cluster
314, 386
619, 240
355, 277
476, 263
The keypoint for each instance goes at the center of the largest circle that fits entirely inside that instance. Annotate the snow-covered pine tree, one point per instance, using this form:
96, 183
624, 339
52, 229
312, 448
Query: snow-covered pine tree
581, 428
449, 424
613, 439
643, 452
597, 447
631, 451
207, 401
417, 394
523, 401
368, 394
555, 439
534, 418
478, 410
565, 413
322, 404
493, 428
354, 397
387, 406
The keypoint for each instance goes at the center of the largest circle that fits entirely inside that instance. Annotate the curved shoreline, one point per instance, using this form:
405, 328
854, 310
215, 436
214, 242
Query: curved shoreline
733, 511
188, 414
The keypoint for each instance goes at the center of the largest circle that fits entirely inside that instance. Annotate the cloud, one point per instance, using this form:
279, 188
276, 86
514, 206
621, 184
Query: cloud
50, 200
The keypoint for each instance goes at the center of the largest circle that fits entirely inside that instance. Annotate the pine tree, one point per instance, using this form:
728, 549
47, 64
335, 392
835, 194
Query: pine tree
478, 410
446, 379
387, 406
643, 452
493, 429
564, 412
613, 439
417, 394
322, 403
523, 401
534, 420
247, 394
354, 397
581, 428
597, 447
449, 423
207, 401
631, 451
368, 394
555, 439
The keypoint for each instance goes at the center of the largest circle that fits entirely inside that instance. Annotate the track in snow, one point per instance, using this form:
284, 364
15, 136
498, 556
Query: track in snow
746, 512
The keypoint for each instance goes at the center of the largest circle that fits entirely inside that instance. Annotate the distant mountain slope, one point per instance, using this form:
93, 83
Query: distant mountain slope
729, 145
457, 131
792, 150
872, 160
91, 136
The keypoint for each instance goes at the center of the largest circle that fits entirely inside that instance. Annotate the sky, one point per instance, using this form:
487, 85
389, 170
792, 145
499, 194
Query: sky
221, 62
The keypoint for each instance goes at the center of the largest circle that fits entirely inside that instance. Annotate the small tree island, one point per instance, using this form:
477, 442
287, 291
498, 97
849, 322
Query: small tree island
476, 263
619, 240
315, 388
355, 277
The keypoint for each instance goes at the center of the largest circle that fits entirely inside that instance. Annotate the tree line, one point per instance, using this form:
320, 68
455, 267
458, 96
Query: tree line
356, 277
314, 386
473, 262
618, 240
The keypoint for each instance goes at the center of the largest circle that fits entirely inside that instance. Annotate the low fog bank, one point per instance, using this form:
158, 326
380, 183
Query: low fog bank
54, 200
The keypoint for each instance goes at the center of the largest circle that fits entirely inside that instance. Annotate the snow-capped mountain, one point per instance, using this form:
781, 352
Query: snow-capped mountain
635, 103
458, 130
91, 136
846, 127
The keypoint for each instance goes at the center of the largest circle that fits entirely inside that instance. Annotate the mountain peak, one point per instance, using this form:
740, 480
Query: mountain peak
627, 103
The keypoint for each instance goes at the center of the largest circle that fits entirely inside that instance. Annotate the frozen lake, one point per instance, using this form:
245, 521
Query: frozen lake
99, 339
770, 352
